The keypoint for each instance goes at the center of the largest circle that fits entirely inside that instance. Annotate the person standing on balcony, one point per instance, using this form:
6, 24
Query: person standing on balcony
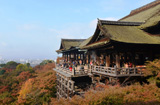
80, 62
127, 69
70, 67
91, 63
130, 64
126, 65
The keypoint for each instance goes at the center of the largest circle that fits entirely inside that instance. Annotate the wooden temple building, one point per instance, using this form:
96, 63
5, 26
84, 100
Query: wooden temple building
70, 49
103, 57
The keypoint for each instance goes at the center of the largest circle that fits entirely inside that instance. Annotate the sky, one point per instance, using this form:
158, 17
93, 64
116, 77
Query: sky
32, 29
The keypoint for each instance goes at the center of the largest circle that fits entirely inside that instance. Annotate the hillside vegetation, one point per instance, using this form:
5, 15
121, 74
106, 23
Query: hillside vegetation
135, 94
22, 84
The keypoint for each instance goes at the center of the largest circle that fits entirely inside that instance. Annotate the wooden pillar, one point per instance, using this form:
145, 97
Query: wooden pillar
73, 71
67, 56
108, 61
89, 58
83, 61
80, 57
117, 60
74, 56
97, 60
133, 59
86, 59
64, 56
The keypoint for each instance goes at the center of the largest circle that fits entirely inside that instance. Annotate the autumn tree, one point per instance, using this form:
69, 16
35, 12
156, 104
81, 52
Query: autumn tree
153, 71
38, 90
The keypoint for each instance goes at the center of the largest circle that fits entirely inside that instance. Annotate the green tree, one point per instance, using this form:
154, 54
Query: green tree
2, 65
28, 64
44, 62
11, 65
24, 67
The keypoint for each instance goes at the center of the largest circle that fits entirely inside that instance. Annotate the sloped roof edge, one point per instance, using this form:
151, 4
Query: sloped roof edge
140, 9
124, 23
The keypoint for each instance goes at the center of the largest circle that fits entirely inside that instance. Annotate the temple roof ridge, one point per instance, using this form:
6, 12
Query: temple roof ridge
146, 7
72, 39
124, 23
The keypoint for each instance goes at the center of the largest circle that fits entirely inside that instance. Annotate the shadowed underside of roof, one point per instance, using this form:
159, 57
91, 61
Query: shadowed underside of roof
144, 13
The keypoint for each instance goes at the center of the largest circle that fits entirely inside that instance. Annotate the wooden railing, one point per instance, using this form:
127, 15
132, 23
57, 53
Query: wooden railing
63, 69
111, 71
74, 72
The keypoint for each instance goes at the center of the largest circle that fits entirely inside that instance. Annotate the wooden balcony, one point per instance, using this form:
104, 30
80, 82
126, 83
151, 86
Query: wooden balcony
117, 72
68, 87
75, 72
102, 70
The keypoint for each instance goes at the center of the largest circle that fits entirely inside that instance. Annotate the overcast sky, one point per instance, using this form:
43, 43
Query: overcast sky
33, 29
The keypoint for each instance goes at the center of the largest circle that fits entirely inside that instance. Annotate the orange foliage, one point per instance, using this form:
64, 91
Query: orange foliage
115, 95
3, 89
46, 67
7, 100
39, 85
24, 86
26, 89
24, 76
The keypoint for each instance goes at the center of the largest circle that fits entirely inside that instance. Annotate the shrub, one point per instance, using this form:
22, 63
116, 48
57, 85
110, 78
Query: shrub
153, 71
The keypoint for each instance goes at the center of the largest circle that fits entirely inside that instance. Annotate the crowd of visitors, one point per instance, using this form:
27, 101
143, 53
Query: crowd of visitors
74, 63
70, 64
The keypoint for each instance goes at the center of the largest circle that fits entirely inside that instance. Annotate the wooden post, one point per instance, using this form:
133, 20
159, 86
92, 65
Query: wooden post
83, 61
134, 70
74, 56
80, 57
110, 79
133, 59
73, 71
77, 56
87, 59
67, 56
117, 61
64, 55
108, 61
